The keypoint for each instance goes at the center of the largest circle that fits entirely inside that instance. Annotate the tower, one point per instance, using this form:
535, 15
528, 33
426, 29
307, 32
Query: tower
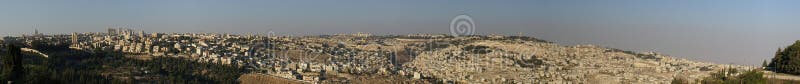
74, 38
36, 33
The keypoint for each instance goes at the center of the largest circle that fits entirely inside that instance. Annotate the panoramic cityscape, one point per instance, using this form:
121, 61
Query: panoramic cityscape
399, 42
358, 58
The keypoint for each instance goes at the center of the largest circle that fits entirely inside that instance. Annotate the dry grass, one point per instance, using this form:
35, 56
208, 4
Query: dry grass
140, 56
265, 79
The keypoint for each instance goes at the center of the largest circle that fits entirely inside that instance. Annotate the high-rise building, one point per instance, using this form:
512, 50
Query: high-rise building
141, 34
36, 33
74, 38
155, 35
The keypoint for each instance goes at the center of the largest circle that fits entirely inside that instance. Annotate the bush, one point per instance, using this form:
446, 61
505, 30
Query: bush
678, 80
726, 77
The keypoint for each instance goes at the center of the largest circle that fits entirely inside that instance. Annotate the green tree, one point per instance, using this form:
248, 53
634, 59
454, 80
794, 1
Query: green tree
755, 76
787, 60
12, 64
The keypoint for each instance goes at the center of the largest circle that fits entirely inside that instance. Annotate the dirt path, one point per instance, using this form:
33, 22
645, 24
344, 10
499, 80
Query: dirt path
770, 74
35, 51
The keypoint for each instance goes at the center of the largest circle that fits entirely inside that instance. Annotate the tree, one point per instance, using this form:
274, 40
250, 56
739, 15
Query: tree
12, 68
778, 57
787, 60
723, 76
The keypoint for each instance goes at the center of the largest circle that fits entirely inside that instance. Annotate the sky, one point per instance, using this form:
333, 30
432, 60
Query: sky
721, 31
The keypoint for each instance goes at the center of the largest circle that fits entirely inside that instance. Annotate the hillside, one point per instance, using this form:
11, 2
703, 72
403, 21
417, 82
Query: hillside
520, 61
373, 59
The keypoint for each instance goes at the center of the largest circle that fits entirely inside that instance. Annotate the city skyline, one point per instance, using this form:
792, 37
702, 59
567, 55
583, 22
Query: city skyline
722, 32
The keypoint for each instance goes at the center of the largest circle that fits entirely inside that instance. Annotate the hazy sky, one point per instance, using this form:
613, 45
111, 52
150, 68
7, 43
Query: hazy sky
721, 31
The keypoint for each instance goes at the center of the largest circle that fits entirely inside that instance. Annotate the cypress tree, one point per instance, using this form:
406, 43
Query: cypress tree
778, 57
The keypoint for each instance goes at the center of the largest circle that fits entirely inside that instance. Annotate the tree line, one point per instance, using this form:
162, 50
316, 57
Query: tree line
786, 60
79, 67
